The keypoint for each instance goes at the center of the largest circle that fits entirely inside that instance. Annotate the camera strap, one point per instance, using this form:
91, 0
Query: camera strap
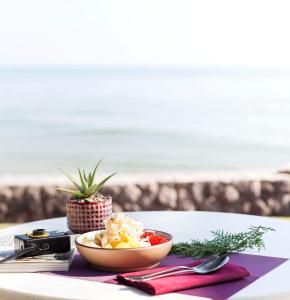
17, 254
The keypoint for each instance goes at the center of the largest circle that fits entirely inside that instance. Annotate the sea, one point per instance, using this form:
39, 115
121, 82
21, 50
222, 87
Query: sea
143, 119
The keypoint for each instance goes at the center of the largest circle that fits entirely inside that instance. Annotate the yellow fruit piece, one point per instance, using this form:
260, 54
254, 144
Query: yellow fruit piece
108, 246
124, 237
114, 243
123, 245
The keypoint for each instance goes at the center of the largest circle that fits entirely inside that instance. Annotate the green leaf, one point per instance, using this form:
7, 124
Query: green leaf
74, 193
71, 179
91, 190
100, 185
84, 184
90, 182
94, 173
85, 176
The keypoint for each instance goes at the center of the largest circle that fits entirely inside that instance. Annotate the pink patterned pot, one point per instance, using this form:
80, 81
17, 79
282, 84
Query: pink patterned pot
88, 216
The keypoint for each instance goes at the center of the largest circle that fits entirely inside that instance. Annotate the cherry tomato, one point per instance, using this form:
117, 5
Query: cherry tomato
147, 233
153, 238
162, 239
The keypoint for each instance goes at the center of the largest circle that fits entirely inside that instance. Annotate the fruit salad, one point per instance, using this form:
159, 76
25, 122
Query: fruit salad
121, 232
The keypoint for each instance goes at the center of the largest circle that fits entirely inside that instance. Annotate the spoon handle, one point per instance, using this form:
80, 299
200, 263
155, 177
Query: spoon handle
158, 273
142, 278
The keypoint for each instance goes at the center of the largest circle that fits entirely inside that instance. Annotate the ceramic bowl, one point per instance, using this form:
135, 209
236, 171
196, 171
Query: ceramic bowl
124, 260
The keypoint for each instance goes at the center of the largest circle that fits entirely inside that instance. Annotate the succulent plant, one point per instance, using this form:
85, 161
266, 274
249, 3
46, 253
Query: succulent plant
86, 188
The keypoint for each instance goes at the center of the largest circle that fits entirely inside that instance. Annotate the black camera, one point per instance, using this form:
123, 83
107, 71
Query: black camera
40, 242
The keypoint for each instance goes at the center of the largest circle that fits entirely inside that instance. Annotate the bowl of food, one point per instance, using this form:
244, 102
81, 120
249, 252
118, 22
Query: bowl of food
124, 246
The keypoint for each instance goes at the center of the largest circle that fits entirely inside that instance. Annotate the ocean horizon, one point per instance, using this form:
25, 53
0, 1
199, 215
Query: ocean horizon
143, 119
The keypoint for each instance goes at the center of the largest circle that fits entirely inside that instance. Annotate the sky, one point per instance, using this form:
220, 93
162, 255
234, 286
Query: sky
149, 32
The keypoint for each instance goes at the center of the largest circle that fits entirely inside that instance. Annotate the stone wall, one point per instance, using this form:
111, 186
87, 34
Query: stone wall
254, 192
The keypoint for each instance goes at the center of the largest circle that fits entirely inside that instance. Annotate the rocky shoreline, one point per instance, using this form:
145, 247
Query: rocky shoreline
259, 192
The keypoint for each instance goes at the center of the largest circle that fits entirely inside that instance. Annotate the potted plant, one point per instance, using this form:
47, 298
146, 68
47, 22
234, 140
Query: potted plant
87, 208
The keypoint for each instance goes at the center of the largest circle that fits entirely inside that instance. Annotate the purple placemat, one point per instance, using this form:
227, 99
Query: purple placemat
256, 265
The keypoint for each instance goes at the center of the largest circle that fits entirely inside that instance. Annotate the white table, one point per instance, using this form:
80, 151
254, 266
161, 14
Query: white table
183, 226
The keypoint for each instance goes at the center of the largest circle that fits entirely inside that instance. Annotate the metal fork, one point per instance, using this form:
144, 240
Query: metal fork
211, 264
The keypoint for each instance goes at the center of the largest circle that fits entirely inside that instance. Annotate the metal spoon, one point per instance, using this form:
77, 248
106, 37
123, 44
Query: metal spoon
211, 264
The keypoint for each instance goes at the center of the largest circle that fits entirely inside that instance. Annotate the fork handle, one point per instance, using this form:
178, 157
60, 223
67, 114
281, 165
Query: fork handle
141, 278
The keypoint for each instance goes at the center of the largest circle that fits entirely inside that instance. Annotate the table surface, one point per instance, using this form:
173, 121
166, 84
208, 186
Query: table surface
183, 226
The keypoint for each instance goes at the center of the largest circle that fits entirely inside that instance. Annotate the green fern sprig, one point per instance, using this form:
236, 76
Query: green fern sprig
223, 242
